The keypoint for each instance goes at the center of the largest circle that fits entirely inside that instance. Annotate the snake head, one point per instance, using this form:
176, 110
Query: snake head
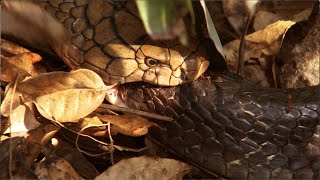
170, 66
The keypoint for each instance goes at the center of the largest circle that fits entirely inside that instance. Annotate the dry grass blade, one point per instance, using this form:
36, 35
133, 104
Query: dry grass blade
211, 29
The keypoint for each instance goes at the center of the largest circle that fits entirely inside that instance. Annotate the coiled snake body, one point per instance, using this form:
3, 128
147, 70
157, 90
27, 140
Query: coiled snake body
236, 129
223, 124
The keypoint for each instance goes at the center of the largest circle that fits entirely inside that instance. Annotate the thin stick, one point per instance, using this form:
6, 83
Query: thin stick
111, 143
10, 110
243, 47
137, 112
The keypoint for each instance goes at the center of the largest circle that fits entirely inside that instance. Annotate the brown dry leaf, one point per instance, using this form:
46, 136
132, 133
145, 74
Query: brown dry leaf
16, 59
10, 48
61, 96
77, 160
261, 46
92, 126
22, 119
264, 18
127, 124
21, 171
24, 150
55, 168
145, 167
298, 58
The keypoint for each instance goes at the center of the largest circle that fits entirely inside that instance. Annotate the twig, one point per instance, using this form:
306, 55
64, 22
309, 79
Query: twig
137, 112
242, 47
10, 140
111, 143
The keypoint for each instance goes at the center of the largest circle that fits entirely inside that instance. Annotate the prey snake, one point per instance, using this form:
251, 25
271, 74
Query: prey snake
223, 124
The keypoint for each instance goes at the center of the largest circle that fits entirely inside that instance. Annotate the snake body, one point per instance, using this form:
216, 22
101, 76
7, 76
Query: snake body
224, 124
235, 129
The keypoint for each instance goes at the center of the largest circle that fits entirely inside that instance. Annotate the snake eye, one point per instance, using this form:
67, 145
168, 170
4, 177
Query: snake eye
151, 62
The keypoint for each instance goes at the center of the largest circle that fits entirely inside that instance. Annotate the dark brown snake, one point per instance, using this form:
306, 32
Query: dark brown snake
223, 124
235, 129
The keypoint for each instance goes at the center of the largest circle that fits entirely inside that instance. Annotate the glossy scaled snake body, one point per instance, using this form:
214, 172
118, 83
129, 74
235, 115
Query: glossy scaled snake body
223, 124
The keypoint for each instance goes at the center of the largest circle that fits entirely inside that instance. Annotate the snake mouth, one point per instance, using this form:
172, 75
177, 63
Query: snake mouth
203, 67
190, 75
113, 96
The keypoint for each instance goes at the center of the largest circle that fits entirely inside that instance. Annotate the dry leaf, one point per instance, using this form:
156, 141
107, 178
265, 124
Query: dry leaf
55, 168
22, 119
298, 58
145, 167
12, 48
127, 124
5, 104
61, 96
25, 150
18, 60
264, 18
261, 46
77, 160
92, 126
20, 170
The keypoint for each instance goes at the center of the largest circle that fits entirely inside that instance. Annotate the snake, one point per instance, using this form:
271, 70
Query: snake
223, 124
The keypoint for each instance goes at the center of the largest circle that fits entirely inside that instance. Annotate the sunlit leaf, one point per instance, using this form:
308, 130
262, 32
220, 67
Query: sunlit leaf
146, 168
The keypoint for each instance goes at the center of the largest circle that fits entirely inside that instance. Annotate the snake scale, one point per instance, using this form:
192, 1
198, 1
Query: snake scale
236, 129
223, 124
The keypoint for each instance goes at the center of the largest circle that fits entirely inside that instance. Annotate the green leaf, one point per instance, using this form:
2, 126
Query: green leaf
163, 19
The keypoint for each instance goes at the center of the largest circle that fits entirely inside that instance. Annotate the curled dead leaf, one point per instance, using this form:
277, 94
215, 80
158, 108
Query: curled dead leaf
89, 126
22, 119
55, 168
127, 124
12, 48
145, 167
261, 47
18, 60
24, 151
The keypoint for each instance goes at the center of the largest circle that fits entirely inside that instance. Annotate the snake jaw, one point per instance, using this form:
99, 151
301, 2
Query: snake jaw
193, 67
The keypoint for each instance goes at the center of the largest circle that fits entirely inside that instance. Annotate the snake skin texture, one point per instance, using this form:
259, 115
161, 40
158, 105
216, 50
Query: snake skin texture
235, 129
112, 41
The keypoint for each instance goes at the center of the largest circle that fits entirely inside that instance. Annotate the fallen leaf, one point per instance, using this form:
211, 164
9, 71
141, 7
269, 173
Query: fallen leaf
299, 56
264, 18
20, 170
261, 47
11, 48
145, 167
92, 126
18, 60
22, 119
77, 160
24, 149
61, 96
127, 124
55, 168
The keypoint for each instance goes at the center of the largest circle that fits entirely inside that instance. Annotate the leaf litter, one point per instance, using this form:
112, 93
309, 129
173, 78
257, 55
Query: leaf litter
57, 95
